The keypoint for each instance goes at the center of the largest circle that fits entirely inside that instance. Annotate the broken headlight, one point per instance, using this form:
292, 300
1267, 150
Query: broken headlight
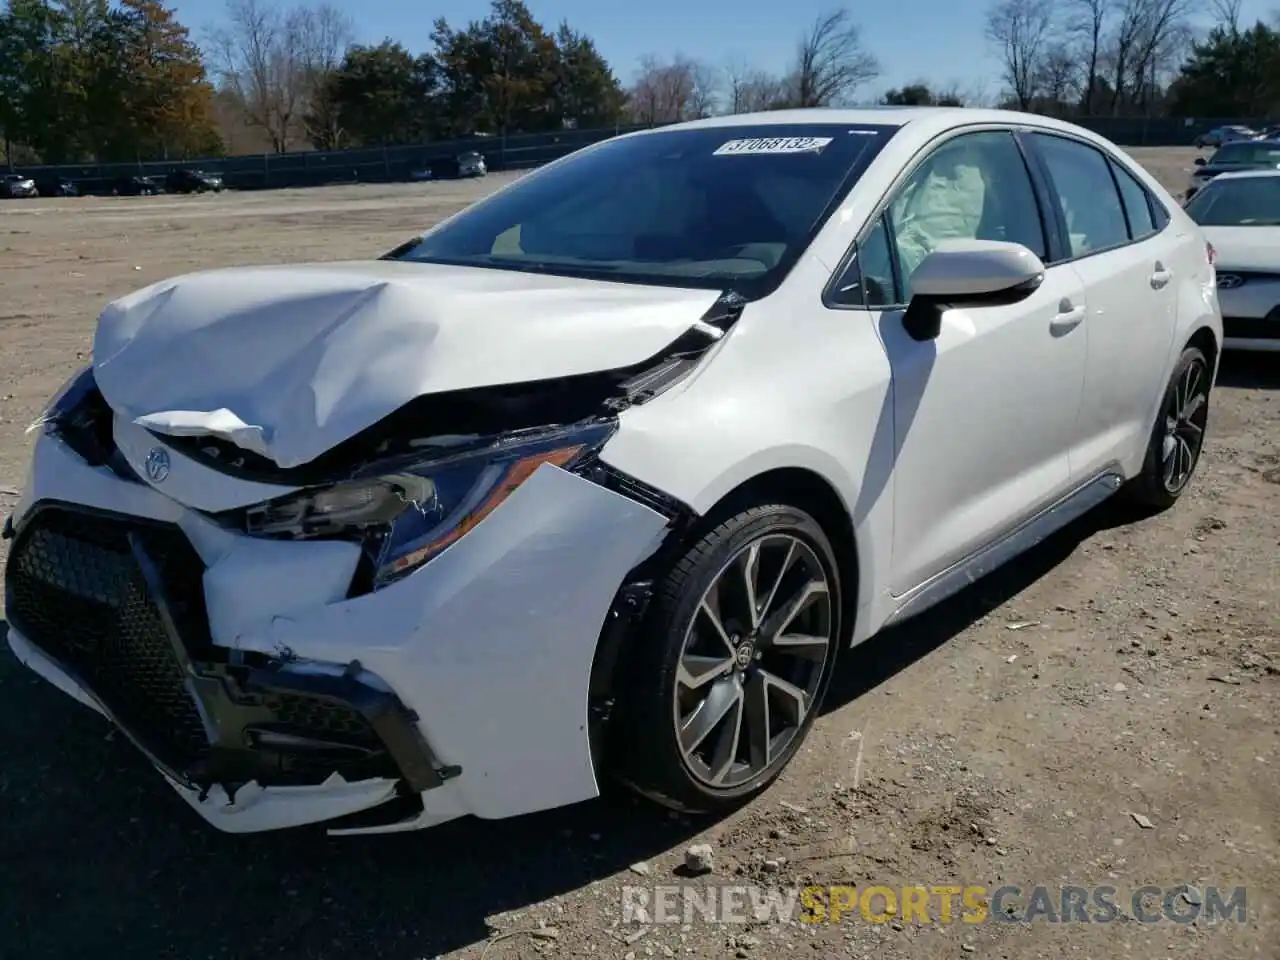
411, 510
66, 398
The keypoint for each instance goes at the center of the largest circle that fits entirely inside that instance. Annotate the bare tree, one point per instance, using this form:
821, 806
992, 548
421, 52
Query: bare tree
1058, 78
748, 89
1148, 35
831, 62
1087, 22
1020, 31
1226, 14
683, 89
704, 88
324, 33
272, 60
951, 95
978, 94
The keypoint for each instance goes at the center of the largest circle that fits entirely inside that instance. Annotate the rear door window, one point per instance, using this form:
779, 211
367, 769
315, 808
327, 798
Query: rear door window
1087, 194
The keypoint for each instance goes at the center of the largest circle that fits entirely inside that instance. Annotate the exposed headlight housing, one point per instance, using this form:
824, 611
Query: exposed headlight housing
66, 398
411, 509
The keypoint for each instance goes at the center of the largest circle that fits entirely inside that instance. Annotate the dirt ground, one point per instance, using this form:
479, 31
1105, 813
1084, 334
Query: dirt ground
1105, 711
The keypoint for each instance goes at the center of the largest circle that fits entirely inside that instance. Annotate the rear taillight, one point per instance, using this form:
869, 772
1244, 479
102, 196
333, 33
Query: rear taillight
1211, 253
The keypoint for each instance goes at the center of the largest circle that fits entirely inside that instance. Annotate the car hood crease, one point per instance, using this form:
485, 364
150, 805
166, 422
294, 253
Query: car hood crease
288, 362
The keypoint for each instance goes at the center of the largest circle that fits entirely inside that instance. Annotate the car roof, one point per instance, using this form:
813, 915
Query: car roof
928, 121
881, 116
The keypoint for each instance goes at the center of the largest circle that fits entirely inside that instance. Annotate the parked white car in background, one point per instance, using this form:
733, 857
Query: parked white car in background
1240, 215
602, 473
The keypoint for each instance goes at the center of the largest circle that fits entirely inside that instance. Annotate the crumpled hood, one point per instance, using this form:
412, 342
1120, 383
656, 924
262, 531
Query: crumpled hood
289, 361
1245, 248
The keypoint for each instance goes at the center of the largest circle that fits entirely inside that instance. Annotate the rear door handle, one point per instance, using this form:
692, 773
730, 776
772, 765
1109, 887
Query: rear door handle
1160, 277
1067, 318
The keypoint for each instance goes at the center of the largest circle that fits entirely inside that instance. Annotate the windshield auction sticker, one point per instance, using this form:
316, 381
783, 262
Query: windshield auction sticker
775, 145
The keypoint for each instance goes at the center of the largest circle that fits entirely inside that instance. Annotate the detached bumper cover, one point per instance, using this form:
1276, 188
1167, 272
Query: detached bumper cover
253, 807
269, 701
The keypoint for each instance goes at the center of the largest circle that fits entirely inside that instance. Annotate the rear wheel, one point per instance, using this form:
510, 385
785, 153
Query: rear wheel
738, 654
1173, 452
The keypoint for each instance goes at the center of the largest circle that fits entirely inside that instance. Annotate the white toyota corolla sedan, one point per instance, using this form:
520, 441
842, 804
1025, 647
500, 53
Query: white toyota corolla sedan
600, 475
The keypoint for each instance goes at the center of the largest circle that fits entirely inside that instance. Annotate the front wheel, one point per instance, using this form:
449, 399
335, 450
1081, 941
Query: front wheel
1177, 439
740, 647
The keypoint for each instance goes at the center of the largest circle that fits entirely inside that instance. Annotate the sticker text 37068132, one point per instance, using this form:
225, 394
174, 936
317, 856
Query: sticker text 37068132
773, 145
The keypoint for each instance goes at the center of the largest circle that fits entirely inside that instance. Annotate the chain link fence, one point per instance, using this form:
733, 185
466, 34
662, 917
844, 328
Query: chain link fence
400, 163
314, 168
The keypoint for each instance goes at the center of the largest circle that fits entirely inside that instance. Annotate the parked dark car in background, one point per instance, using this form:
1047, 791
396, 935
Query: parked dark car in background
1227, 134
57, 187
1238, 155
193, 181
14, 185
469, 163
135, 187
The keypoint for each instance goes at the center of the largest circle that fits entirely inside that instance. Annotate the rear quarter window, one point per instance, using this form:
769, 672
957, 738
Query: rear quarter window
1138, 203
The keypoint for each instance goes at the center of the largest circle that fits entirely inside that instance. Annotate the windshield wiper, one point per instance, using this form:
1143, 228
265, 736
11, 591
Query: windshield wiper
552, 266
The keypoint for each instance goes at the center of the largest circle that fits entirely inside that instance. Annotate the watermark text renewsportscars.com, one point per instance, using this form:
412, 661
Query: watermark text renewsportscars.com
931, 903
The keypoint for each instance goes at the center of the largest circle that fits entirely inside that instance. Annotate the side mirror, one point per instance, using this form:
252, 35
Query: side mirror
968, 273
1199, 161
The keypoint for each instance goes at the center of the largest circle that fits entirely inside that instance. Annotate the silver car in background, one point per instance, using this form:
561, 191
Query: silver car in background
15, 185
471, 164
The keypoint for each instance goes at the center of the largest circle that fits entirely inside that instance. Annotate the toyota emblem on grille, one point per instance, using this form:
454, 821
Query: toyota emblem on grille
157, 465
1227, 281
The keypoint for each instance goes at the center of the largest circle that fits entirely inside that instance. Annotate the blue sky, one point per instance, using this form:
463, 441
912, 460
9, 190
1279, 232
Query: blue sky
937, 40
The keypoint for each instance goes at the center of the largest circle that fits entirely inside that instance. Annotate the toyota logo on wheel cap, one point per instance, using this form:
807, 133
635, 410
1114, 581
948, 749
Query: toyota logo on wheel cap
157, 465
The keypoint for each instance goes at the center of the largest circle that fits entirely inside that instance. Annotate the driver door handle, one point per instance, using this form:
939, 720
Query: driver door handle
1160, 277
1067, 319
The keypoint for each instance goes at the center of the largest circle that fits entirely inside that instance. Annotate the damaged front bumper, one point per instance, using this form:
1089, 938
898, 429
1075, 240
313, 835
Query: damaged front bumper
269, 698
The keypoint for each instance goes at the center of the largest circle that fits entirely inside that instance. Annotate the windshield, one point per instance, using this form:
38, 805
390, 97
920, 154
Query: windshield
1237, 202
1247, 152
717, 207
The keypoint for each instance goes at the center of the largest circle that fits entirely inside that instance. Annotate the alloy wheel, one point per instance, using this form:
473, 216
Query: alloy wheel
752, 662
1184, 424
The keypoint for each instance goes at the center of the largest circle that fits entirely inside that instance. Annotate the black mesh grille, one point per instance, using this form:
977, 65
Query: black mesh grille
74, 589
322, 718
1246, 328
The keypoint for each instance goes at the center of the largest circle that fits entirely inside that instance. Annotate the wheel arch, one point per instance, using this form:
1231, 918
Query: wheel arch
1206, 342
809, 491
800, 487
626, 626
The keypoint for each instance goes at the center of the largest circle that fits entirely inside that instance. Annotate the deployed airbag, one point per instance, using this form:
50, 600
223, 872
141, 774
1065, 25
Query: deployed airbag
946, 204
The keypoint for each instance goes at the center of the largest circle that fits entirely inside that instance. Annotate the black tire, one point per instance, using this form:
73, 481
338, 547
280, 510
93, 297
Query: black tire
644, 745
1151, 490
